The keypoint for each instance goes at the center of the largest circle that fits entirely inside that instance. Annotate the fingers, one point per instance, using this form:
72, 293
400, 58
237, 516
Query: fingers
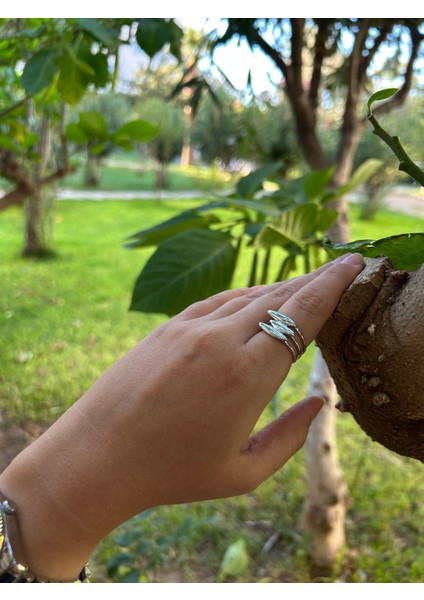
245, 311
314, 303
309, 307
211, 304
269, 449
228, 302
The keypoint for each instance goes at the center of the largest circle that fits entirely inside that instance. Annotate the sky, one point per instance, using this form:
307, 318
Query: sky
234, 59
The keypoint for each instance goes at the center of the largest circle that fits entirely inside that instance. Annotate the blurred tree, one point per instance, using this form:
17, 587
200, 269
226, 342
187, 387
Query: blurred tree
50, 64
166, 146
115, 109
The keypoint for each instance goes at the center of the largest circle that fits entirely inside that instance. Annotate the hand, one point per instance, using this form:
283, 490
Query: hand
171, 421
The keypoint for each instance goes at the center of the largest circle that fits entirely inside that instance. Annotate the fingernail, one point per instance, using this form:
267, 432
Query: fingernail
355, 260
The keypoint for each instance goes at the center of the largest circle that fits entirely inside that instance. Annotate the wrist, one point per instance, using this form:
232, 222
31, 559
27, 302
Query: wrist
38, 543
68, 495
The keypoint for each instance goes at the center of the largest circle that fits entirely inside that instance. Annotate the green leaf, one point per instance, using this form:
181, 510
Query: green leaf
362, 174
295, 226
93, 124
156, 235
188, 267
152, 35
99, 65
235, 561
380, 95
315, 182
73, 81
247, 186
76, 134
39, 72
138, 130
98, 31
405, 251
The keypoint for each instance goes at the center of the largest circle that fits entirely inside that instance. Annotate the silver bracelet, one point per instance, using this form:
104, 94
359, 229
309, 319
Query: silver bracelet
10, 570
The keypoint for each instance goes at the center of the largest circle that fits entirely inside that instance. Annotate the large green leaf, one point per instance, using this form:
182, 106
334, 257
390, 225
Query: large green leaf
295, 226
39, 72
405, 251
190, 266
248, 186
182, 222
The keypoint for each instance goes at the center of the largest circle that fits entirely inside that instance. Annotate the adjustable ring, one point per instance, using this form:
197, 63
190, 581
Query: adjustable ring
283, 328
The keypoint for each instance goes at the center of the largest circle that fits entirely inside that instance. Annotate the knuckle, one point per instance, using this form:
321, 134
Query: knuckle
206, 341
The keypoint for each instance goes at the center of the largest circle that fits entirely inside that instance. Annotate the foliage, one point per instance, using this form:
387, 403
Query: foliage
405, 163
197, 251
51, 64
168, 119
405, 251
141, 554
93, 129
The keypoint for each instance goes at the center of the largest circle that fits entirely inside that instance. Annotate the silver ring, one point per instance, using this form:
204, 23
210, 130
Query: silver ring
285, 329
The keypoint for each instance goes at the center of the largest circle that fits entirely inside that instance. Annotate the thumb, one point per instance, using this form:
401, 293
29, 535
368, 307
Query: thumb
271, 447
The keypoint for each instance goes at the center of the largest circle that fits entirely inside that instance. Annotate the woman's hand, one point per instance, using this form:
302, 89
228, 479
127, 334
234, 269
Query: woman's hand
171, 422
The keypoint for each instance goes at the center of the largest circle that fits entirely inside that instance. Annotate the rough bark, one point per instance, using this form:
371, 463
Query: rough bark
372, 347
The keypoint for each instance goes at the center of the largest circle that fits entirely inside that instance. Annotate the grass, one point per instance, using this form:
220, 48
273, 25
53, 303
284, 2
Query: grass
127, 173
65, 320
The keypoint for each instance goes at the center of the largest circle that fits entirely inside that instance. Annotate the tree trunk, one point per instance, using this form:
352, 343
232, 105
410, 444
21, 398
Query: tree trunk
327, 496
327, 499
38, 206
92, 170
372, 344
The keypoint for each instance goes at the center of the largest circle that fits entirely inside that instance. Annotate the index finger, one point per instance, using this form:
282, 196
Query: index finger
313, 304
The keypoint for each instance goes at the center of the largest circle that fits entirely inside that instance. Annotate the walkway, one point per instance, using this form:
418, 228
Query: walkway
401, 199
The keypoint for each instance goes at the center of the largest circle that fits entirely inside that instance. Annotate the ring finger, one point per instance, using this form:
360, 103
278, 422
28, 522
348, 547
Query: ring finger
309, 307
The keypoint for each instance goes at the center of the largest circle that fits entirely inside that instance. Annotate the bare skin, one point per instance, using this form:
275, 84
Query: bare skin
171, 422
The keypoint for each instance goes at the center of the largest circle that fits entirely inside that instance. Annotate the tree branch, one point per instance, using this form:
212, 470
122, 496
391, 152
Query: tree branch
297, 27
18, 196
319, 55
10, 109
356, 57
371, 52
405, 163
273, 54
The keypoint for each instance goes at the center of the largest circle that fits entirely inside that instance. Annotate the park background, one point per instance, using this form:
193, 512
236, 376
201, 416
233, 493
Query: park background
68, 275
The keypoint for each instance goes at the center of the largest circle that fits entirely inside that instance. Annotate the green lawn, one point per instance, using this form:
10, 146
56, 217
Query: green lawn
127, 173
65, 320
